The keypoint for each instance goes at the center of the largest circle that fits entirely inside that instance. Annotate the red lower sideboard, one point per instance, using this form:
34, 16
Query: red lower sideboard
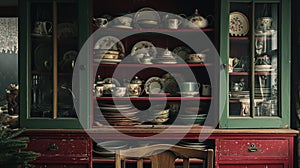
234, 148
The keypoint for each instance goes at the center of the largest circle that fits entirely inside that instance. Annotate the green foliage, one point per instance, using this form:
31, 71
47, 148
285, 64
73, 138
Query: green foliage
11, 154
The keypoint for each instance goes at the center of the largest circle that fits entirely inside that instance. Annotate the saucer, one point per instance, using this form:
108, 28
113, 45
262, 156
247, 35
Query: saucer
122, 26
189, 94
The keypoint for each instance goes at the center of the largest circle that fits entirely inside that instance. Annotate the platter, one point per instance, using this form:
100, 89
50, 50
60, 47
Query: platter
109, 43
238, 24
154, 85
146, 18
144, 47
43, 57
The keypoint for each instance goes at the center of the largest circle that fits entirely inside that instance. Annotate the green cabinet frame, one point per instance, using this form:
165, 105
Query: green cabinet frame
284, 43
25, 70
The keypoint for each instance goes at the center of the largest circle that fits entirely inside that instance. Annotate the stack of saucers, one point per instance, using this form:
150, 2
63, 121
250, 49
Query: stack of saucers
106, 56
193, 144
117, 115
160, 116
189, 119
262, 92
108, 148
166, 58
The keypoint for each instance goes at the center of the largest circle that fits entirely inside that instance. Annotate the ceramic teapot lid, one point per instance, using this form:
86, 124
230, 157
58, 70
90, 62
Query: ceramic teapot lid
195, 16
136, 80
167, 52
99, 80
199, 21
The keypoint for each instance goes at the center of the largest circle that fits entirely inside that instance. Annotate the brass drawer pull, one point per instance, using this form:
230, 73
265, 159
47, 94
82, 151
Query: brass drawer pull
252, 148
53, 147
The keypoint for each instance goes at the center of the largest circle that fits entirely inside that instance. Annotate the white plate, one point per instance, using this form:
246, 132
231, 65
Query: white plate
144, 47
238, 24
154, 85
110, 43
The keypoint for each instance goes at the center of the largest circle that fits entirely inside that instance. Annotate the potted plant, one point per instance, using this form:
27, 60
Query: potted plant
11, 153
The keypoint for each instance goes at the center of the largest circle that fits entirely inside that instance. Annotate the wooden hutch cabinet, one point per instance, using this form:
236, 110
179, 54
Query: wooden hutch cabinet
224, 80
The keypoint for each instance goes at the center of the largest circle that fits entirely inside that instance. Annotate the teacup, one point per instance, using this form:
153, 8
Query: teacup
264, 23
100, 22
173, 23
206, 90
42, 27
123, 21
190, 87
120, 91
195, 58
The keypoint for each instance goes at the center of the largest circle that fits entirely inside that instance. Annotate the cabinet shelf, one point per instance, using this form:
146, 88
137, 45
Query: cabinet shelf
112, 161
162, 30
266, 73
153, 98
239, 38
152, 65
238, 73
49, 74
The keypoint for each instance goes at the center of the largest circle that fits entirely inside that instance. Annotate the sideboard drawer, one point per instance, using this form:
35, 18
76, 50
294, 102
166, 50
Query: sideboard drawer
59, 146
253, 148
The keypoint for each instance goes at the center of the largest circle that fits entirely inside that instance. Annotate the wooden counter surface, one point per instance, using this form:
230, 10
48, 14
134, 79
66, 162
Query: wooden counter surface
163, 129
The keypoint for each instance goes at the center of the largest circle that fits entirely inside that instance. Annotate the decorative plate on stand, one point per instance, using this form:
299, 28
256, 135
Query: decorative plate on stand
238, 24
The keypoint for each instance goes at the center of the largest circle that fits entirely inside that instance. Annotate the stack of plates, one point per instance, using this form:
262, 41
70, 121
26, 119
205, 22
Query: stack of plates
118, 115
167, 58
108, 148
160, 116
262, 92
263, 68
193, 144
239, 94
106, 56
189, 119
164, 60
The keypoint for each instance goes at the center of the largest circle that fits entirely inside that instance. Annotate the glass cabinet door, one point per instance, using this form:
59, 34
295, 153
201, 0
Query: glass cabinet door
52, 46
255, 65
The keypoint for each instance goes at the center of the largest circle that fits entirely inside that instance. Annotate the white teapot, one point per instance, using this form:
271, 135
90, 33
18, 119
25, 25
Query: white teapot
197, 20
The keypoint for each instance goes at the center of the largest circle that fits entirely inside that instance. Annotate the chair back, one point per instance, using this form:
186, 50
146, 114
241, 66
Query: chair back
163, 156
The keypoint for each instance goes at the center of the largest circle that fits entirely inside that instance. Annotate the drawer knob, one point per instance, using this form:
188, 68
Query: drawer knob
252, 148
53, 147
